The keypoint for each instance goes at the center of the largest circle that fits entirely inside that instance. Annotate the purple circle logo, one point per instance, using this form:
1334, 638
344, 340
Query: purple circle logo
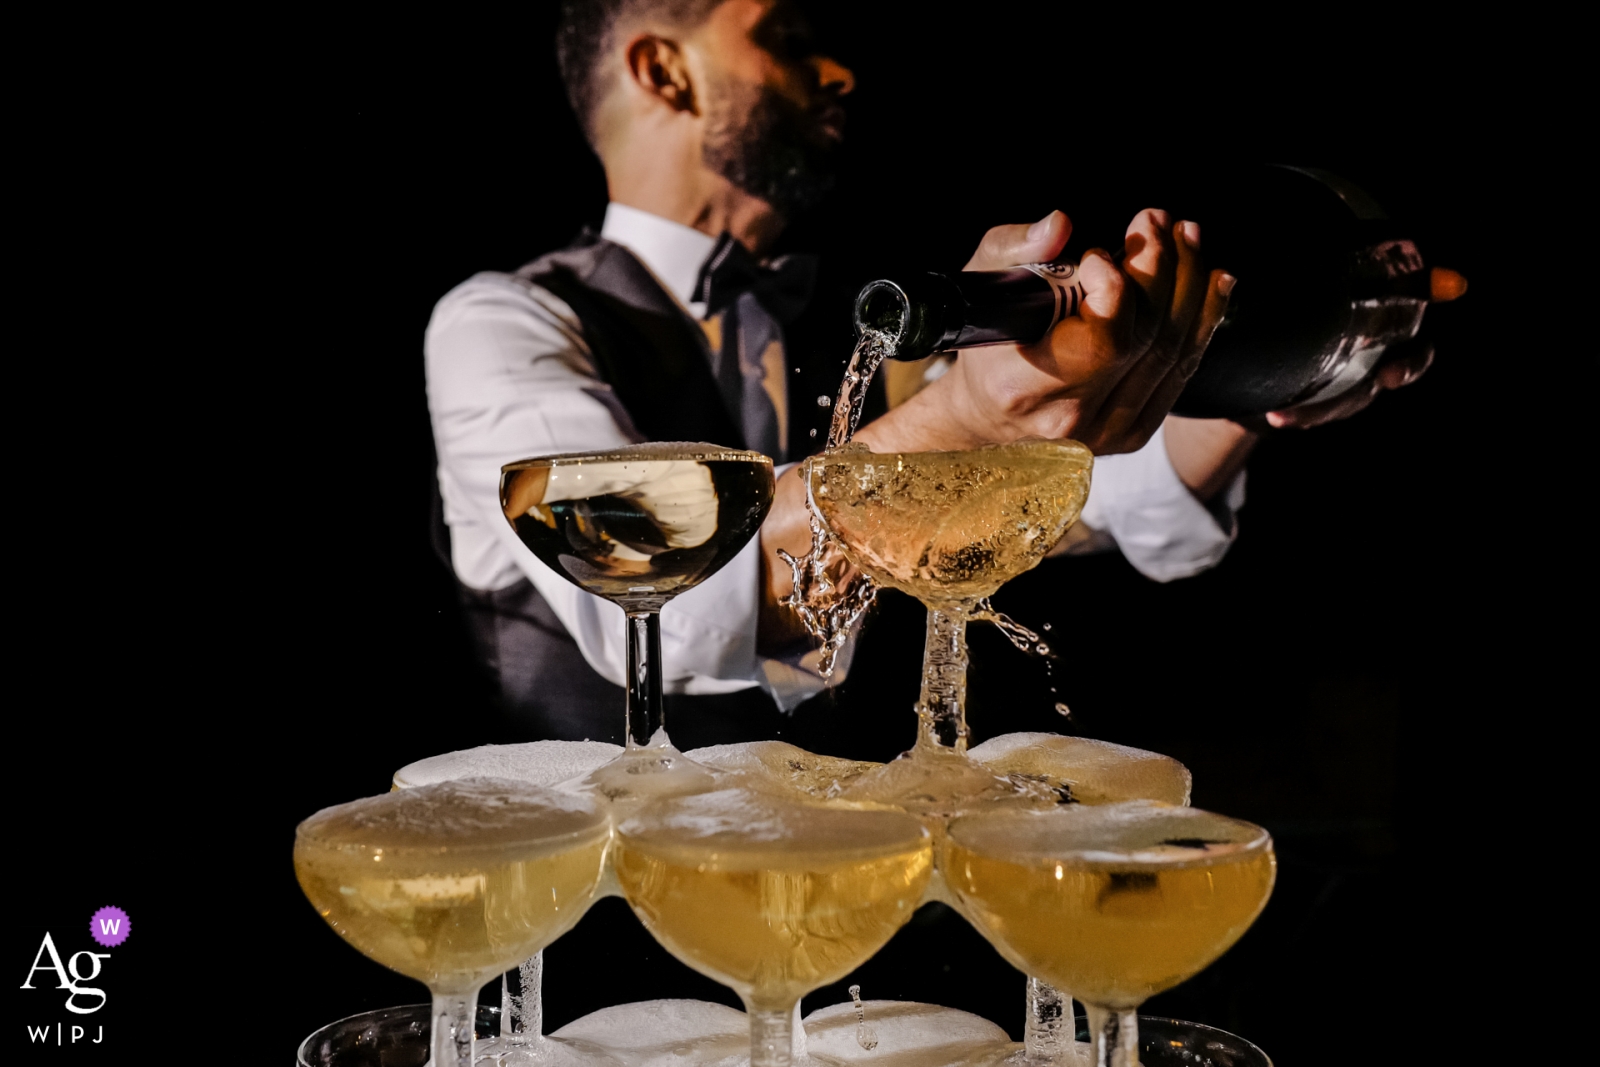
109, 926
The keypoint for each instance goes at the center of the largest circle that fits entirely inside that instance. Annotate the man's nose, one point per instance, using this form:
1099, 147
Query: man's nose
833, 75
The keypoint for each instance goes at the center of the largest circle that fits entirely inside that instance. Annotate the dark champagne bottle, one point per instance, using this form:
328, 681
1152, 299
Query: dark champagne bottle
1327, 284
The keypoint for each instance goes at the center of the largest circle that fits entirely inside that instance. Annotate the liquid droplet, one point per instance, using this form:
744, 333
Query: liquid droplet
1062, 710
1045, 627
866, 1036
824, 401
813, 431
1018, 634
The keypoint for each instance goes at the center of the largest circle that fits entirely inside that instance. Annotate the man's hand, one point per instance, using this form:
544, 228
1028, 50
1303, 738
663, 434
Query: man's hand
1105, 376
1207, 453
1404, 365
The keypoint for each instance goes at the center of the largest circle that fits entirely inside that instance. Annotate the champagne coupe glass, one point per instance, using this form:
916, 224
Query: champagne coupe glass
771, 896
521, 1041
451, 884
637, 526
1115, 903
949, 528
1083, 771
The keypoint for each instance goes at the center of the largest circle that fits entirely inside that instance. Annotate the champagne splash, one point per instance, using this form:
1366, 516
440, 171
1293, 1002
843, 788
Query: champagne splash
1025, 639
866, 1036
1015, 632
828, 594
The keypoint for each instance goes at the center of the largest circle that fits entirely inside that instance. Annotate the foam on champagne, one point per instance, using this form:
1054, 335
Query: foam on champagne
749, 829
1087, 771
788, 766
1128, 833
469, 814
546, 763
936, 784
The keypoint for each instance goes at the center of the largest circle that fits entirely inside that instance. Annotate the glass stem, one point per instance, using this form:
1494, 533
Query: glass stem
941, 718
1050, 1033
453, 1035
771, 1036
645, 713
1114, 1036
522, 1002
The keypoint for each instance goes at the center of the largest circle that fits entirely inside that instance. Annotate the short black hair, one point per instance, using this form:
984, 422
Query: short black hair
587, 31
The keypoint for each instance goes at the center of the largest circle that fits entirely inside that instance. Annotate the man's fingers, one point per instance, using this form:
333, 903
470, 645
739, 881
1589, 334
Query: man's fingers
1398, 373
1012, 246
1213, 305
1153, 383
1191, 285
1107, 294
1412, 361
1305, 416
1219, 290
1150, 259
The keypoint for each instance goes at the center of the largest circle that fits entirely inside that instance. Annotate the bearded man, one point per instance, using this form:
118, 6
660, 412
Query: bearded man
716, 121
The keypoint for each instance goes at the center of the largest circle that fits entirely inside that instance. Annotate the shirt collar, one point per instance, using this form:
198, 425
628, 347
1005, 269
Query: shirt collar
674, 253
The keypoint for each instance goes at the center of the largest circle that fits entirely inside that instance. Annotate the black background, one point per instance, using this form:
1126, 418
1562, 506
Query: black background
229, 615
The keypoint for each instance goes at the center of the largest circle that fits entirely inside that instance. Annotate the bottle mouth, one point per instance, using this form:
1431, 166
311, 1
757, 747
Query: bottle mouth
882, 306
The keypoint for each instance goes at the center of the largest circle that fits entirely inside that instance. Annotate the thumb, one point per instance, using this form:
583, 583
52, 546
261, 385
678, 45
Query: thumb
1011, 246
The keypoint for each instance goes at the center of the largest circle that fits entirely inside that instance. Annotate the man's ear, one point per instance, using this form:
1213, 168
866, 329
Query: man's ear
657, 66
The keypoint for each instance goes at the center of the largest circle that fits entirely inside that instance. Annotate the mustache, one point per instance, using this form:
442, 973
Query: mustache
828, 112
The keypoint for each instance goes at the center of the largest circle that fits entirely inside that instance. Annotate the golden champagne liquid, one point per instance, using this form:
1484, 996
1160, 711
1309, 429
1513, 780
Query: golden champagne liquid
454, 883
1113, 917
771, 898
950, 527
648, 521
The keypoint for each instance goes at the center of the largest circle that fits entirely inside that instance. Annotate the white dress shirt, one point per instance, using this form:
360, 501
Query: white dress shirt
510, 376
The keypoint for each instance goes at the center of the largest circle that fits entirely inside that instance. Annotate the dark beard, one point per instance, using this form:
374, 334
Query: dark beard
779, 152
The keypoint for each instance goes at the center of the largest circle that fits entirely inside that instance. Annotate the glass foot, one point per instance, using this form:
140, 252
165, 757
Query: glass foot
384, 1036
1079, 1055
542, 1052
1175, 1043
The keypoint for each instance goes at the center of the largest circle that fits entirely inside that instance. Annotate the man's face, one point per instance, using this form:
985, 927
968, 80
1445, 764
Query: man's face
774, 121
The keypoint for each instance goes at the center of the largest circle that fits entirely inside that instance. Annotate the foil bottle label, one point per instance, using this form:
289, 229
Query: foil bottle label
1064, 282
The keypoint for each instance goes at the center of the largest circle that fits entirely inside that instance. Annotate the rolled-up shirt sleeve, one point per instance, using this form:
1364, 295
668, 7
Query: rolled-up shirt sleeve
509, 376
1157, 523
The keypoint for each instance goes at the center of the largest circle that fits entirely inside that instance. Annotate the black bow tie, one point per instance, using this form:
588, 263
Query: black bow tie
783, 286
